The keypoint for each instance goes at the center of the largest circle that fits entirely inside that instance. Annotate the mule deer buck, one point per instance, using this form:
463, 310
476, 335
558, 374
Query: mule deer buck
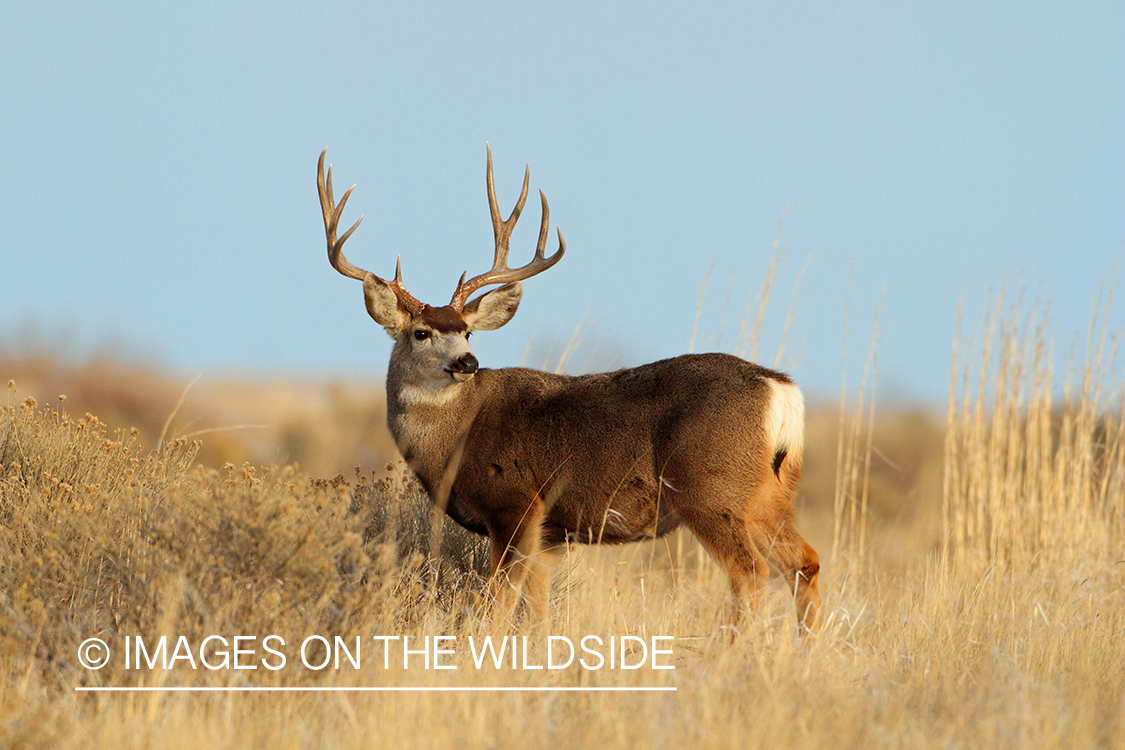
533, 459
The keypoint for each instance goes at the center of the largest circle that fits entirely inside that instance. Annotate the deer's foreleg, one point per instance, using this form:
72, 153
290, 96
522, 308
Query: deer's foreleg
516, 540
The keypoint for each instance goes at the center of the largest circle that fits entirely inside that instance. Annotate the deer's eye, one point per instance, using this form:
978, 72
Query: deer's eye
421, 334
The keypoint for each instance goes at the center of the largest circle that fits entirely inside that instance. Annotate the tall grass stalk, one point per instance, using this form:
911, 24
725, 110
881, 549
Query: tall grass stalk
750, 331
854, 449
1035, 474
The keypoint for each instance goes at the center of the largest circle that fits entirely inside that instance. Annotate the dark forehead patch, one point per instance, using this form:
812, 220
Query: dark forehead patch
443, 319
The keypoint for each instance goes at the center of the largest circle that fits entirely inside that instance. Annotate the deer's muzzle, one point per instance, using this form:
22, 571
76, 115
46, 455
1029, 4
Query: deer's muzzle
464, 365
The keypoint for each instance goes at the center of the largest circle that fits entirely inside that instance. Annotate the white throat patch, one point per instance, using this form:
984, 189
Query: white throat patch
423, 395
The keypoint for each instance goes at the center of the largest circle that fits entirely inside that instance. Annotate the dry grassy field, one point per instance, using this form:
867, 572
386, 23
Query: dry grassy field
972, 577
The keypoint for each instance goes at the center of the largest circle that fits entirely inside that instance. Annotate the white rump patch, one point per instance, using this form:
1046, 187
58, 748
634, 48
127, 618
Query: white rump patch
785, 418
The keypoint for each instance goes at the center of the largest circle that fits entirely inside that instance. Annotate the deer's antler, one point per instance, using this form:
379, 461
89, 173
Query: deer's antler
336, 257
500, 273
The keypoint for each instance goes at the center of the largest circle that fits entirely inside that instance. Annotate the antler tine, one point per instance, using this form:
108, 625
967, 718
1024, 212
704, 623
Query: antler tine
502, 230
336, 257
544, 227
332, 214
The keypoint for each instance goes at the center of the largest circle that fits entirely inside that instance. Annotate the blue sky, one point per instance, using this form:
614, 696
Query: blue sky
158, 168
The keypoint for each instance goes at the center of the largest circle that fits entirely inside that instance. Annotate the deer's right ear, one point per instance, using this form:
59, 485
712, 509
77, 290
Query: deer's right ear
384, 306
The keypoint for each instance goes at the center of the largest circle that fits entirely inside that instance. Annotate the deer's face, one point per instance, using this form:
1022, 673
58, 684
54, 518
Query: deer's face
432, 347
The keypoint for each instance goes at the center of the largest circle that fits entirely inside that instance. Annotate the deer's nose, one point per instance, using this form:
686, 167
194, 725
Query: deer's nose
466, 364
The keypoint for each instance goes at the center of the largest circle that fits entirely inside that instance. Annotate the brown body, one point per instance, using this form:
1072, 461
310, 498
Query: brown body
533, 459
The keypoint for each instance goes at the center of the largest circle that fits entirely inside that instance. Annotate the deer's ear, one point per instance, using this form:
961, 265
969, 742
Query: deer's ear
492, 310
384, 306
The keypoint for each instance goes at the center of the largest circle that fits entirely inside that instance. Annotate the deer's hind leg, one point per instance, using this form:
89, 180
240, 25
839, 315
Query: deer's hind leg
723, 531
799, 565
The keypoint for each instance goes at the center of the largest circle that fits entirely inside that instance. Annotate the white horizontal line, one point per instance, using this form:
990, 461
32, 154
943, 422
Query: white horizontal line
250, 689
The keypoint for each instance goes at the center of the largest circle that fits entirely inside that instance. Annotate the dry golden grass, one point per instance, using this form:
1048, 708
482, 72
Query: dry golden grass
983, 609
324, 427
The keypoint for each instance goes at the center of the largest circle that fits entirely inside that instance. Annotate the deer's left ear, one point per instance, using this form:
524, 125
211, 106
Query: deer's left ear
492, 310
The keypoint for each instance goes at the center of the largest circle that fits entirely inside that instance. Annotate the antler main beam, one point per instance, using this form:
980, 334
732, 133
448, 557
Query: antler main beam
502, 230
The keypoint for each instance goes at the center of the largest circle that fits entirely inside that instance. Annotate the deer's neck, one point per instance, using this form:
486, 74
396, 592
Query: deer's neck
429, 424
